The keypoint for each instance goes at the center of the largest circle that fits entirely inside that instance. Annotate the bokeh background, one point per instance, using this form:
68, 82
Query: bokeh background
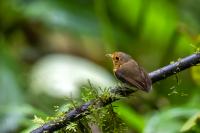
49, 49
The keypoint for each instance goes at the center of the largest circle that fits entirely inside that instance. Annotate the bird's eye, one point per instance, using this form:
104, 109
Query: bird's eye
117, 58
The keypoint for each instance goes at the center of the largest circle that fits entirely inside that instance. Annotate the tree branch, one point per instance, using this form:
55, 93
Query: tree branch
174, 68
83, 110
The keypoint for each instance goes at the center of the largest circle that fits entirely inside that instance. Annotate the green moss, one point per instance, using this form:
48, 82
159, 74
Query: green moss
103, 119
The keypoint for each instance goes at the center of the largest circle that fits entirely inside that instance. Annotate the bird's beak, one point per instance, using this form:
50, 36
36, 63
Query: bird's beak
109, 55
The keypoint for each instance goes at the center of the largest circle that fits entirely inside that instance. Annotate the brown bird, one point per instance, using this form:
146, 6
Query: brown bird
129, 72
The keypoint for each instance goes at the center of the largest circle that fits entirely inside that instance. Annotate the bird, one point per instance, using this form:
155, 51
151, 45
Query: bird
127, 70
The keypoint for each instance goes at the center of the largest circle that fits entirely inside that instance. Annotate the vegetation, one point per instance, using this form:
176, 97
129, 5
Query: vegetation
50, 49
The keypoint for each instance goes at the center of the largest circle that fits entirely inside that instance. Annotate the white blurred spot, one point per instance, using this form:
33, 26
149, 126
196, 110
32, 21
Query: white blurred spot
61, 75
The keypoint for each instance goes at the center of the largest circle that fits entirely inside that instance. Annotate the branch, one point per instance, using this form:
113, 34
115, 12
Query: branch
174, 68
83, 110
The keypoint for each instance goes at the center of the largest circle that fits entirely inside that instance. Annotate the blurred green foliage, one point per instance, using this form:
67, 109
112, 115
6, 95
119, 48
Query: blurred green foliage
154, 32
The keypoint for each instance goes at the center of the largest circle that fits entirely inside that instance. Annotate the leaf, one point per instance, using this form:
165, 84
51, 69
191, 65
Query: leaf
72, 127
168, 121
128, 115
11, 99
190, 123
38, 120
63, 15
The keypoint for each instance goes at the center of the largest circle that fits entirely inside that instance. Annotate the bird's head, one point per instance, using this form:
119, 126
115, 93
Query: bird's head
119, 58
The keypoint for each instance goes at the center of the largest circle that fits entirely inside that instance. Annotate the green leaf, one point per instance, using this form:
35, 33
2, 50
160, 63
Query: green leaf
190, 123
128, 115
168, 121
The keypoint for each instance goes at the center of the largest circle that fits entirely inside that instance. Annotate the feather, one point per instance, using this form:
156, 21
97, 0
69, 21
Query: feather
132, 74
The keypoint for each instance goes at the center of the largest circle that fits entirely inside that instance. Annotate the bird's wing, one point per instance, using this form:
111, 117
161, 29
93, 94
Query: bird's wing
148, 83
133, 75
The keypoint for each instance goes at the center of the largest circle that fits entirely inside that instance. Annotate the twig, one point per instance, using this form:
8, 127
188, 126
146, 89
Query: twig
174, 68
83, 110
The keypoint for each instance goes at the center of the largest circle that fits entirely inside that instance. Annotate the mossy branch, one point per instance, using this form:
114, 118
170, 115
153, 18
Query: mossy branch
83, 110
